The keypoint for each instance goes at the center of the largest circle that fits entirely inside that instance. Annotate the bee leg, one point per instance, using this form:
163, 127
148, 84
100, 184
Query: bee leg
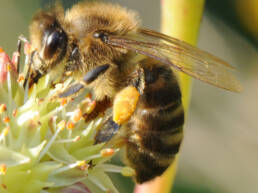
87, 79
112, 134
93, 74
105, 134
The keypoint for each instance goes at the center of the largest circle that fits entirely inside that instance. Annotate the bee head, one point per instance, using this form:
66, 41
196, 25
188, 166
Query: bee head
48, 39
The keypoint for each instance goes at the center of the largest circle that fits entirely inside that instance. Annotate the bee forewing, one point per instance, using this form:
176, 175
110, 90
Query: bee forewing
181, 56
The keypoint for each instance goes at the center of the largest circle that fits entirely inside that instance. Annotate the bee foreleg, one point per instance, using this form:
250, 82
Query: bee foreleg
87, 79
93, 74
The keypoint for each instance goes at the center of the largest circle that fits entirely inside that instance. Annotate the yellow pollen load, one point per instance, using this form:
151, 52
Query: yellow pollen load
125, 104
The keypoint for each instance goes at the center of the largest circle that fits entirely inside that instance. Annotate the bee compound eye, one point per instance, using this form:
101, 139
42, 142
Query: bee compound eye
54, 43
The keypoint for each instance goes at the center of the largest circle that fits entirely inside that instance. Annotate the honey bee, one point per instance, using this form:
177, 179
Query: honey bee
103, 46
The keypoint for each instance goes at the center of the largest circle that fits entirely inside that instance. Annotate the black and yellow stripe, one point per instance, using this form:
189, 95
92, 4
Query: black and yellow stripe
155, 129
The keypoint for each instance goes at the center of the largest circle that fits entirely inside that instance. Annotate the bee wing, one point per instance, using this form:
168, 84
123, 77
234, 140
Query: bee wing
179, 55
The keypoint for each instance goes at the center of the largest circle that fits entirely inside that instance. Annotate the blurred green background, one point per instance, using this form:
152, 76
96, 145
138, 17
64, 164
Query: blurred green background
220, 149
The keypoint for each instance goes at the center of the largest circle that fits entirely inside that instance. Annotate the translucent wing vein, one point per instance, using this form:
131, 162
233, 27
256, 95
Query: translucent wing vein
181, 56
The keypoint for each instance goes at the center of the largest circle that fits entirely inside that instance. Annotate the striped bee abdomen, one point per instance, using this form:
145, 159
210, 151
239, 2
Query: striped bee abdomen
155, 129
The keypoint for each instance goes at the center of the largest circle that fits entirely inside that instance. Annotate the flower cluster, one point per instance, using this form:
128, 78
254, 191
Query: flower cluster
45, 144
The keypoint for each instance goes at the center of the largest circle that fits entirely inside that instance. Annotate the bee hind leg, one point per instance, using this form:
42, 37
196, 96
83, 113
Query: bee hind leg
110, 128
112, 134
